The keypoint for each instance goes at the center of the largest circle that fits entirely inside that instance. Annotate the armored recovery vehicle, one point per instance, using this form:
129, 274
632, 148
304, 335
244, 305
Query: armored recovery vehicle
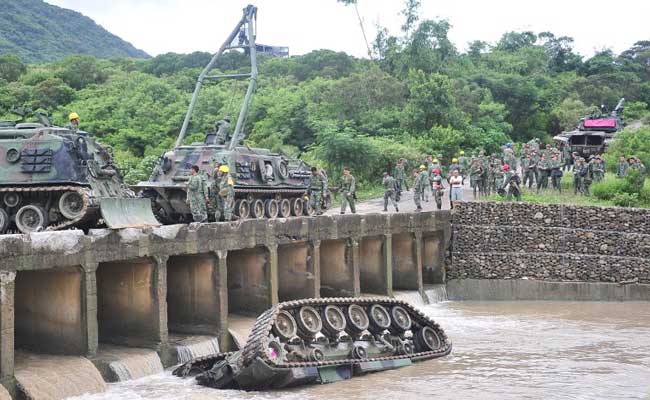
55, 178
266, 184
321, 341
594, 133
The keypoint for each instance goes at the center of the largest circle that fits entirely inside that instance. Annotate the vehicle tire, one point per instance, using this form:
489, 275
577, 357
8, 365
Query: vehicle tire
242, 208
11, 199
285, 326
257, 209
309, 322
31, 218
296, 207
271, 208
426, 339
333, 320
357, 319
379, 318
285, 208
4, 221
71, 205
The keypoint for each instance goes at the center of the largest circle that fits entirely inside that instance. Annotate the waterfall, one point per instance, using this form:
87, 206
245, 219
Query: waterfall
196, 347
436, 293
413, 297
132, 363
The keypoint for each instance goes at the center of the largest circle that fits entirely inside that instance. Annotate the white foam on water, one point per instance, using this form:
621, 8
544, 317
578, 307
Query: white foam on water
436, 293
190, 351
136, 365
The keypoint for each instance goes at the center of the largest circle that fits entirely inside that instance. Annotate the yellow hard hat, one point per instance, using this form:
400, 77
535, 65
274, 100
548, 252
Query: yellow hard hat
423, 167
454, 160
72, 116
462, 153
435, 160
224, 169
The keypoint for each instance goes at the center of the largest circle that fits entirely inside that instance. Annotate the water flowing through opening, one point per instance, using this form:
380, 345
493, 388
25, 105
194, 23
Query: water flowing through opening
126, 363
191, 347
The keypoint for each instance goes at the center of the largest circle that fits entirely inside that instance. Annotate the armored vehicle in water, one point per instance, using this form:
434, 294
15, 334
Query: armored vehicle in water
266, 184
55, 178
323, 340
595, 131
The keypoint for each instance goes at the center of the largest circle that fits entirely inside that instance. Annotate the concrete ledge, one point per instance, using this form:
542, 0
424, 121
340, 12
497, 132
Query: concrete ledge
522, 289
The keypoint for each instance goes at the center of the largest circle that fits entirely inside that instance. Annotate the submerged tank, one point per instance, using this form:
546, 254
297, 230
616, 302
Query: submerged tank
55, 178
266, 184
323, 340
595, 132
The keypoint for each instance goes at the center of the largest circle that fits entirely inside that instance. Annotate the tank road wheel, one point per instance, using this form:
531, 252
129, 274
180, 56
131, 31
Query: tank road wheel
71, 205
296, 207
357, 319
401, 320
285, 208
308, 209
4, 221
271, 208
257, 209
379, 318
11, 199
242, 208
31, 218
285, 326
426, 339
309, 322
333, 320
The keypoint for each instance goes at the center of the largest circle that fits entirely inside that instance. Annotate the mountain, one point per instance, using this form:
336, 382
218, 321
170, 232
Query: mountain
40, 32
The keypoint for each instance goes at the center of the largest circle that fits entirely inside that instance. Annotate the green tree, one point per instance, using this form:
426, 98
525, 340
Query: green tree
11, 68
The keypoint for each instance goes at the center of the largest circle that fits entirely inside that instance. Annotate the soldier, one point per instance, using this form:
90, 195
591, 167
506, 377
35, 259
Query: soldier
567, 158
485, 169
512, 181
577, 175
223, 188
197, 195
497, 175
637, 165
587, 177
556, 172
598, 169
400, 178
464, 163
475, 173
509, 157
348, 191
222, 128
390, 191
316, 188
73, 124
622, 167
543, 168
421, 183
526, 170
438, 188
455, 166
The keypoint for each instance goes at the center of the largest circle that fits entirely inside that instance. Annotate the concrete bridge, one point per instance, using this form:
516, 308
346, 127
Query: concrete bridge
76, 294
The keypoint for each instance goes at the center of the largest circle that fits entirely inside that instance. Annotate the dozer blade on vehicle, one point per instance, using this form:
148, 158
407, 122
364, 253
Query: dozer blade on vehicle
127, 213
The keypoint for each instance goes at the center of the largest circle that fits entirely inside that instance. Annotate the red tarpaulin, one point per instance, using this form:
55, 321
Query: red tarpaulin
600, 123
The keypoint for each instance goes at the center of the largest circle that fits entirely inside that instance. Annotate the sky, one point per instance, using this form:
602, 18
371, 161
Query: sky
184, 26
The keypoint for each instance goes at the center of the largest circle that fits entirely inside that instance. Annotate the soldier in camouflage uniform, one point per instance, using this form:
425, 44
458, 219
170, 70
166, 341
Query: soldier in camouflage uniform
390, 191
512, 181
578, 170
420, 185
223, 191
438, 188
485, 169
526, 171
400, 178
587, 178
73, 124
567, 157
197, 196
544, 169
598, 169
621, 170
475, 172
316, 187
556, 172
464, 163
348, 189
497, 175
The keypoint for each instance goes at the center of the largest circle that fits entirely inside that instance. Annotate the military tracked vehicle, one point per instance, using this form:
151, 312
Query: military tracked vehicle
55, 178
323, 340
266, 184
595, 131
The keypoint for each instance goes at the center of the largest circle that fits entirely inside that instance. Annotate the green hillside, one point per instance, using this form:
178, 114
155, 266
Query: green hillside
39, 32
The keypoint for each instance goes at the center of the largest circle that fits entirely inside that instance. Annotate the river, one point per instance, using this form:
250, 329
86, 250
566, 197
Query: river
502, 350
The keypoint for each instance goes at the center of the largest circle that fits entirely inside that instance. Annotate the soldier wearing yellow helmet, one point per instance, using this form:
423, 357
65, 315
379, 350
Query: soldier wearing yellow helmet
223, 192
73, 123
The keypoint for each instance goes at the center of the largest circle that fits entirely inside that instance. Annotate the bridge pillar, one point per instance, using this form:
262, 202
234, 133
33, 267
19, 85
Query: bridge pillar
89, 307
7, 288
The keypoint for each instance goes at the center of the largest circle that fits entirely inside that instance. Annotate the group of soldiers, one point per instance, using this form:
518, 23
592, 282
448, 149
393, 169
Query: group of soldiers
220, 198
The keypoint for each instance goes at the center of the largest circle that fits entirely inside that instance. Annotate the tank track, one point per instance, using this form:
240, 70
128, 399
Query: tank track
256, 345
89, 209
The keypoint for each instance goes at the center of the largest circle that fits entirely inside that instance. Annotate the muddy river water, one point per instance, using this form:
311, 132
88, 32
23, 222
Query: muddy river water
502, 350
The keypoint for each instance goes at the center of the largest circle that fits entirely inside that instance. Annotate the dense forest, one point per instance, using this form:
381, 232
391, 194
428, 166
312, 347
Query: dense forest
41, 32
418, 95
